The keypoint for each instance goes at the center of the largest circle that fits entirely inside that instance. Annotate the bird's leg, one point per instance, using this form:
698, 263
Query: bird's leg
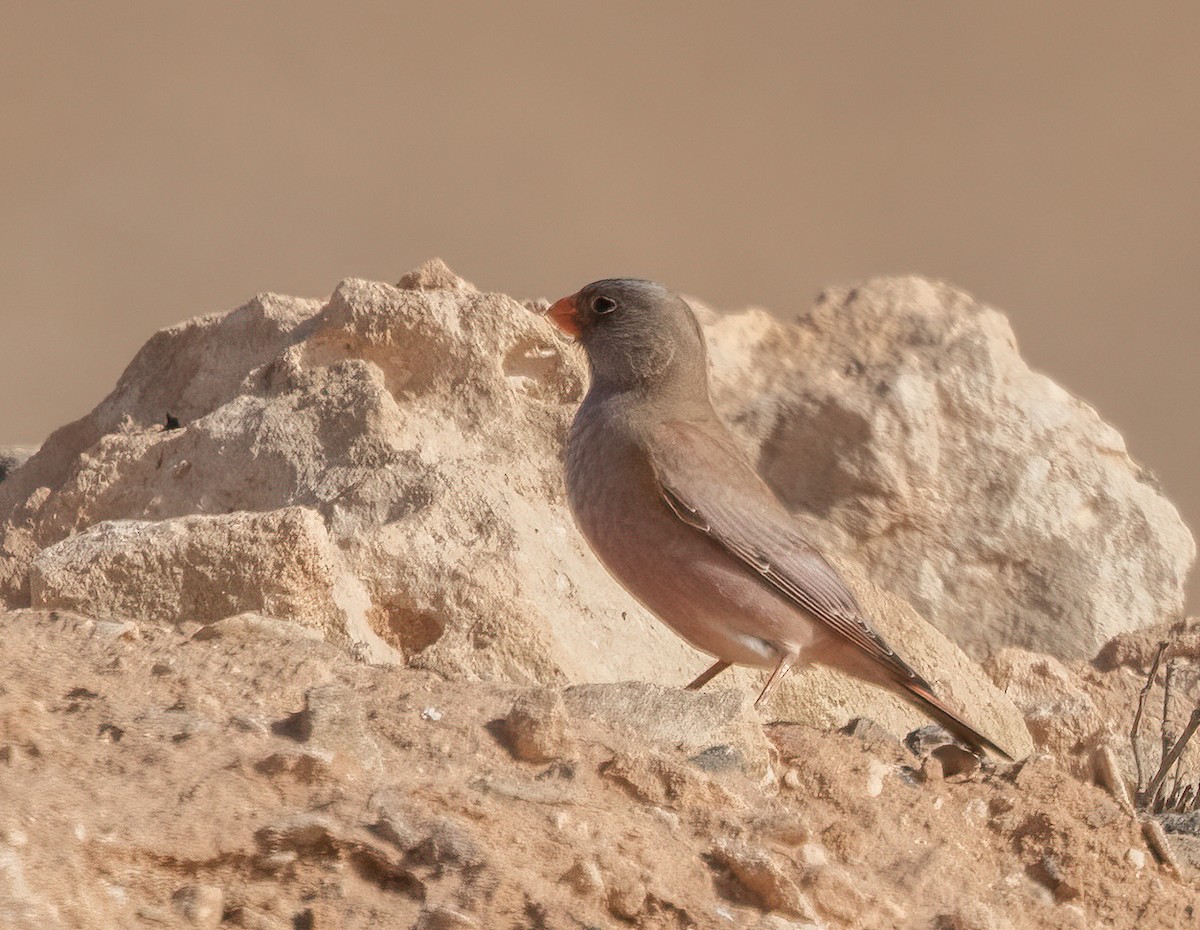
709, 674
785, 662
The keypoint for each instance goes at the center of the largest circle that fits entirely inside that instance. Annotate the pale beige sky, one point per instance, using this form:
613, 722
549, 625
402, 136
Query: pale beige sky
162, 160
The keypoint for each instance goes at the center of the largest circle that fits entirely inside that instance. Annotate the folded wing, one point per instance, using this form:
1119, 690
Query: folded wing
709, 486
704, 479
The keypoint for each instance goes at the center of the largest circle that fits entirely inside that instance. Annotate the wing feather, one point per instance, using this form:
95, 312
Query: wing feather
738, 511
704, 479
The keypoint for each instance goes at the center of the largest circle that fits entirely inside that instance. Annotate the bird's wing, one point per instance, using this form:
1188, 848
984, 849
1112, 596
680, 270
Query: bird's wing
705, 480
707, 483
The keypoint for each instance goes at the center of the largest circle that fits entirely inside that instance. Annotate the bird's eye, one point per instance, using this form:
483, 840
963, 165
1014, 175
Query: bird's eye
603, 305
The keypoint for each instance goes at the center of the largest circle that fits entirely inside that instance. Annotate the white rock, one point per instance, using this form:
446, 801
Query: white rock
673, 720
205, 568
202, 905
20, 906
875, 774
385, 467
899, 420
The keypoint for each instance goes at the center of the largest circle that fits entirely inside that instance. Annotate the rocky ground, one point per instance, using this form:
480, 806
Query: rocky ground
295, 632
243, 774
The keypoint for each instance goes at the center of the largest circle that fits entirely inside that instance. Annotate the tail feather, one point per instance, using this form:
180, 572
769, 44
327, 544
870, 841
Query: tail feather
923, 696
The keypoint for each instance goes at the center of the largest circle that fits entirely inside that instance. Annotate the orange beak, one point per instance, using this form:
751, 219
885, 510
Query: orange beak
565, 315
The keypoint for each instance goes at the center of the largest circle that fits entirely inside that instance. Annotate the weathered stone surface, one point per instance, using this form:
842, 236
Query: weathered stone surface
334, 721
1083, 712
1136, 649
423, 425
21, 908
899, 421
1059, 710
688, 721
205, 568
252, 626
764, 880
200, 905
137, 791
536, 727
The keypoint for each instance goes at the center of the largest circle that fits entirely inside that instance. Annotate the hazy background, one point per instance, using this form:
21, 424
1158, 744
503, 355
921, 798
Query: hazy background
162, 160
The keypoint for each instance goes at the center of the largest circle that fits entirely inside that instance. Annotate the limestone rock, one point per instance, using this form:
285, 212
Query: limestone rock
422, 424
691, 722
201, 905
204, 568
898, 420
254, 626
385, 467
20, 907
536, 727
435, 275
333, 721
1135, 650
444, 918
1061, 714
764, 881
972, 915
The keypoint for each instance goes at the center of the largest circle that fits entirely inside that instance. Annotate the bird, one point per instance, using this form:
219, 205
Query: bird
671, 506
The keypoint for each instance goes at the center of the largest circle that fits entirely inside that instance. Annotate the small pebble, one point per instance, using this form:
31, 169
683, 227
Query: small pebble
585, 878
431, 713
444, 918
116, 892
875, 774
670, 818
278, 861
536, 728
626, 896
931, 769
202, 905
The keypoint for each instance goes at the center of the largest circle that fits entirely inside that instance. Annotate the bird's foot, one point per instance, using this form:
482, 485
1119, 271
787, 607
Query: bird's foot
785, 663
708, 675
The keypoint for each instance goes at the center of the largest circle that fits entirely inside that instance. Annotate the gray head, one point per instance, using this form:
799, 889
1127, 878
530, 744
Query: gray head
638, 336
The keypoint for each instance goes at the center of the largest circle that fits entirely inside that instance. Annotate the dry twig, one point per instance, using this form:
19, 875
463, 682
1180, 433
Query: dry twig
1168, 685
1152, 789
1137, 717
